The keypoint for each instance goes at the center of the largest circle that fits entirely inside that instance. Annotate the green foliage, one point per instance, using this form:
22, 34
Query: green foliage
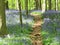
55, 43
38, 13
17, 36
16, 41
12, 4
18, 31
31, 4
48, 39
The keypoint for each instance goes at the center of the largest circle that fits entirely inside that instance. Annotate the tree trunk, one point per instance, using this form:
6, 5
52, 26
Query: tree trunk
56, 4
7, 7
26, 7
19, 3
36, 4
17, 6
40, 7
45, 5
49, 1
3, 28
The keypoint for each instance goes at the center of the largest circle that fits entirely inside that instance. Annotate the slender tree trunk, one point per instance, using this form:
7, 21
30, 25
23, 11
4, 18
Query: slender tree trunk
26, 7
40, 7
19, 3
17, 6
3, 28
36, 4
45, 5
56, 4
49, 1
7, 7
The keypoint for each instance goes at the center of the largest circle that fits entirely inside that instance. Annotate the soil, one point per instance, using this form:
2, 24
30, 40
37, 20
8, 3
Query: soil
36, 35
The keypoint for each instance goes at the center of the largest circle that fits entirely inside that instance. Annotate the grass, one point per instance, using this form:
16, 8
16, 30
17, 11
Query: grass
18, 31
16, 41
36, 13
17, 36
50, 38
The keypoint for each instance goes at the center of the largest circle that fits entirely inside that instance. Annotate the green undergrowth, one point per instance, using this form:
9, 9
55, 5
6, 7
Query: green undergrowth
16, 41
17, 36
50, 38
19, 31
38, 13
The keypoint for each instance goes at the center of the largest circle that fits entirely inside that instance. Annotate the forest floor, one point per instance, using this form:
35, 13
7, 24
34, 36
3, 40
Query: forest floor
18, 36
13, 19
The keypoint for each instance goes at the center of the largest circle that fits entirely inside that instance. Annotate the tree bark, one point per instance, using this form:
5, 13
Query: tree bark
45, 5
3, 28
7, 7
49, 1
19, 3
36, 4
56, 5
40, 7
26, 7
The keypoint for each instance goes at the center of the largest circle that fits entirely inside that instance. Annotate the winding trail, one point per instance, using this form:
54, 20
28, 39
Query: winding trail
36, 36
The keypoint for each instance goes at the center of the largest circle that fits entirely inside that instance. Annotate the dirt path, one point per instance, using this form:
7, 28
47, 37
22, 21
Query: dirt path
36, 36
